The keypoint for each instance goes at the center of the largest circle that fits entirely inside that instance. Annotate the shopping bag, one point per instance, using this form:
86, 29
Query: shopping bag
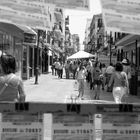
76, 85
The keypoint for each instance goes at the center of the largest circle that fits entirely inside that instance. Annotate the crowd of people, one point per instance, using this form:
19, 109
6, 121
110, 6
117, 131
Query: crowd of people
116, 78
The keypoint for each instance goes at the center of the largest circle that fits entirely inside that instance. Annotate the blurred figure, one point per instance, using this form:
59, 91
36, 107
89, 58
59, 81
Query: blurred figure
109, 71
127, 69
56, 64
103, 69
91, 77
11, 86
96, 77
133, 80
60, 70
67, 69
120, 83
80, 76
74, 68
53, 68
88, 69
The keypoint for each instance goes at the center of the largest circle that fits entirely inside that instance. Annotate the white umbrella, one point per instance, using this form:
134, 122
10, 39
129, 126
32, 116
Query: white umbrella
81, 54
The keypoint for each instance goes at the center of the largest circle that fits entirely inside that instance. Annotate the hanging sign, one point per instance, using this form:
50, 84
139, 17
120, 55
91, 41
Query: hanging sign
73, 127
121, 15
21, 126
120, 127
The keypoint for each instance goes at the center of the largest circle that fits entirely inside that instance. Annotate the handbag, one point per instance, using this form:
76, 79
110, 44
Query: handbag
76, 85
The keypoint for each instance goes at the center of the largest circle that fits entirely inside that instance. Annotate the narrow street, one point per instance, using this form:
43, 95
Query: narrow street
52, 89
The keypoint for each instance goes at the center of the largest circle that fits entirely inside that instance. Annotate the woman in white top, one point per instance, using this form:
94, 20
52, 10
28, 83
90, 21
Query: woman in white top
81, 74
120, 83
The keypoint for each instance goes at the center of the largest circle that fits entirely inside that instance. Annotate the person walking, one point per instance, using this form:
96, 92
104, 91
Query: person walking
91, 75
11, 86
60, 69
74, 68
56, 64
53, 68
120, 83
67, 69
96, 76
127, 69
80, 76
103, 70
88, 68
109, 72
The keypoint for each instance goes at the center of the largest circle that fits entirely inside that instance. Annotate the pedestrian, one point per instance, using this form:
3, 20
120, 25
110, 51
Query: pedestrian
96, 76
127, 69
11, 86
60, 69
88, 68
80, 76
91, 77
74, 68
103, 69
109, 71
53, 68
133, 80
56, 64
67, 69
120, 83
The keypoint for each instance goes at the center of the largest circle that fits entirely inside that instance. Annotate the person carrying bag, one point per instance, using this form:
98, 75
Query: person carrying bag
120, 83
11, 86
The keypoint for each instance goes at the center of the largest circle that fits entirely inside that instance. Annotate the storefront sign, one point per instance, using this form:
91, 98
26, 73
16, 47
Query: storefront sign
120, 126
72, 127
30, 38
121, 15
21, 126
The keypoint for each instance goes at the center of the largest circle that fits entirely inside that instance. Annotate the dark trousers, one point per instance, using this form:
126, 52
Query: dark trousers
133, 85
60, 73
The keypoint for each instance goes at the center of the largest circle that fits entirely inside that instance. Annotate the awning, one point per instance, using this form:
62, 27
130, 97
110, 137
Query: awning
11, 29
27, 29
127, 40
16, 30
80, 55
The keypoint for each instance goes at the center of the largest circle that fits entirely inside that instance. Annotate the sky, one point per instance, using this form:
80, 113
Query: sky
78, 19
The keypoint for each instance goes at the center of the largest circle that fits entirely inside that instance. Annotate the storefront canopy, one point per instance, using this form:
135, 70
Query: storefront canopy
16, 30
81, 54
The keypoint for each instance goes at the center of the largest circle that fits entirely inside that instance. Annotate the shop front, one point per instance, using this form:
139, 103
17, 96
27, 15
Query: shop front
17, 41
129, 47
